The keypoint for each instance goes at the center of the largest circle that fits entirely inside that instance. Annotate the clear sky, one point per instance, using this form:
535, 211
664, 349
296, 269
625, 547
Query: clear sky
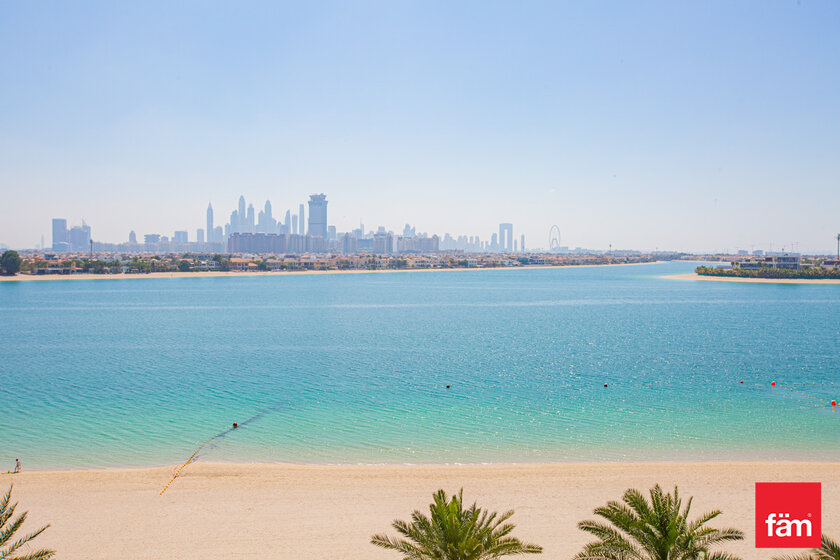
673, 125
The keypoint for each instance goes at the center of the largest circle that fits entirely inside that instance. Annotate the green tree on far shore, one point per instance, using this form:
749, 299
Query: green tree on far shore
10, 263
452, 532
806, 272
659, 529
8, 527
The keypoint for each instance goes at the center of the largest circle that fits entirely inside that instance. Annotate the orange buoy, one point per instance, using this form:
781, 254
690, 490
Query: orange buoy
742, 382
772, 383
235, 425
833, 403
605, 384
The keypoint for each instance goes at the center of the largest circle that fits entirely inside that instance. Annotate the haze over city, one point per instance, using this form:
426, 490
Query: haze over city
694, 127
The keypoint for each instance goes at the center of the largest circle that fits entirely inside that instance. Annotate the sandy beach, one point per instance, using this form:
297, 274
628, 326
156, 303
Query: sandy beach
215, 510
232, 274
751, 280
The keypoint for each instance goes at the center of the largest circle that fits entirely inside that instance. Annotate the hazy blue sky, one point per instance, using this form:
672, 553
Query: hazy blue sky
679, 125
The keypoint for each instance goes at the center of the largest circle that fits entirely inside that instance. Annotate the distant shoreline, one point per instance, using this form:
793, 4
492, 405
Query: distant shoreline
236, 274
744, 280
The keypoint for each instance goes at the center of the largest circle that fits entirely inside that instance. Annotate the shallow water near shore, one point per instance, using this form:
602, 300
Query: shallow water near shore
354, 369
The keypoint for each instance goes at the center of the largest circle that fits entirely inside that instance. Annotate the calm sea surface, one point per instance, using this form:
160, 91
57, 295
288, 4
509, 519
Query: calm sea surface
354, 368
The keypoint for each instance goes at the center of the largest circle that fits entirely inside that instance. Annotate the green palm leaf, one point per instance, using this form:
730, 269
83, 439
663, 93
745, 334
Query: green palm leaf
654, 528
9, 527
451, 532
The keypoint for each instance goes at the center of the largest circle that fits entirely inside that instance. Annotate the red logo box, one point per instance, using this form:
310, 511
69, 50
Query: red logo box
787, 514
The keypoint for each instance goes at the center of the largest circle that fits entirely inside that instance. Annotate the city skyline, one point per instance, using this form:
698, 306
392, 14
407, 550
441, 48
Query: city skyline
233, 236
77, 238
693, 128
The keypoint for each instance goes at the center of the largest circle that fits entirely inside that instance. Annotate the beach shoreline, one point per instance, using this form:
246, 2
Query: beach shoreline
280, 273
279, 511
743, 280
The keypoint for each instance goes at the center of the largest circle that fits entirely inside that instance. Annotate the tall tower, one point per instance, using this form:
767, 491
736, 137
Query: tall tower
250, 218
265, 222
235, 222
241, 208
506, 237
59, 234
317, 215
301, 221
209, 230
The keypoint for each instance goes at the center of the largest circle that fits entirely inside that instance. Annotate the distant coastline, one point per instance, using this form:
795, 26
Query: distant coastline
745, 280
242, 274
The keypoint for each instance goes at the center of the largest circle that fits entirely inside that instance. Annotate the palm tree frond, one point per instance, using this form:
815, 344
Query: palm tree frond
655, 526
9, 526
453, 532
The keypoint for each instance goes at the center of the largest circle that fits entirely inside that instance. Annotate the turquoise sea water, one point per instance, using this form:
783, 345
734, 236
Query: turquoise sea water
354, 368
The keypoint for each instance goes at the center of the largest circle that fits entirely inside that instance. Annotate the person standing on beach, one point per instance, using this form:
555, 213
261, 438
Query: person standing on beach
17, 466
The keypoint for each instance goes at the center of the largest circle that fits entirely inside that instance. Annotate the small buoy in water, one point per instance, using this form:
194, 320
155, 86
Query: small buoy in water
447, 386
605, 384
742, 382
772, 383
833, 403
235, 425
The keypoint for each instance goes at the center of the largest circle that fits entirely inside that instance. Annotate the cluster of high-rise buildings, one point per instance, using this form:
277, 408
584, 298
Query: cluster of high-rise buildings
76, 239
245, 220
244, 224
245, 234
503, 242
248, 231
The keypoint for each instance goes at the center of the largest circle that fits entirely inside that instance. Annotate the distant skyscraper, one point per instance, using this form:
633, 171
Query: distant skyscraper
349, 244
266, 222
199, 235
250, 219
383, 243
218, 234
294, 223
132, 237
181, 237
318, 215
210, 228
59, 234
79, 237
302, 221
287, 222
522, 243
506, 237
241, 208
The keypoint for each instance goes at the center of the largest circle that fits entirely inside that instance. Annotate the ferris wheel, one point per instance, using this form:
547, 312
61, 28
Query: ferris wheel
554, 239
